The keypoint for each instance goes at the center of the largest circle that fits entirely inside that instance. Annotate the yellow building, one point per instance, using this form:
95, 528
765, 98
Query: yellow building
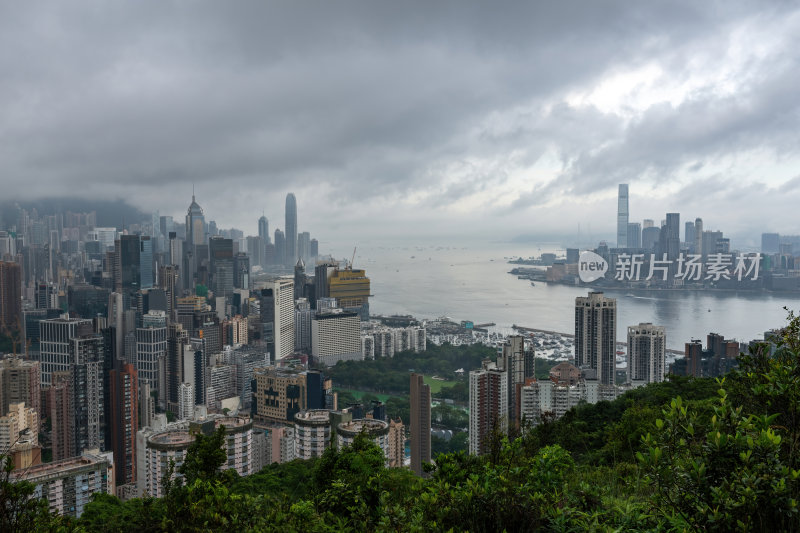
351, 290
190, 304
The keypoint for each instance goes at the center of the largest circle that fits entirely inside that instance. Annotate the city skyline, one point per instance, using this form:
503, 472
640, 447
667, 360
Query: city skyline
436, 124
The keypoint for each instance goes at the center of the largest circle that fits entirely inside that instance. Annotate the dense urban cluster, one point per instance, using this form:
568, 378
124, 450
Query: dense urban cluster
166, 362
123, 345
651, 255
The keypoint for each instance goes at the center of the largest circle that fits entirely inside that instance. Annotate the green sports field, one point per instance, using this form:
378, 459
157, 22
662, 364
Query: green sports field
437, 385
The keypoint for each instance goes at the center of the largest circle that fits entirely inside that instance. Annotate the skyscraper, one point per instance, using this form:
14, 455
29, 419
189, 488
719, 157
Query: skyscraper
694, 358
634, 235
124, 422
56, 335
146, 262
299, 278
688, 234
221, 264
20, 382
622, 216
646, 353
58, 399
195, 224
650, 237
168, 281
241, 271
304, 245
710, 241
291, 230
127, 267
302, 325
86, 372
10, 297
151, 350
255, 250
420, 423
595, 335
488, 406
166, 225
336, 336
698, 235
672, 238
518, 365
322, 275
280, 248
179, 364
351, 288
195, 237
263, 229
279, 298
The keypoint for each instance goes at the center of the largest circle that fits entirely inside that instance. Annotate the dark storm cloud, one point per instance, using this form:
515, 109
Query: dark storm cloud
398, 106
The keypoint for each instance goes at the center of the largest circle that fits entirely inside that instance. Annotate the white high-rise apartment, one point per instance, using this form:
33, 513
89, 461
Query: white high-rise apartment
336, 337
186, 401
488, 405
312, 430
283, 297
596, 335
647, 345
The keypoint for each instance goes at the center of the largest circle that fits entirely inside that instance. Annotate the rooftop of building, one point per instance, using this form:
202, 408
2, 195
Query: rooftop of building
314, 417
67, 320
279, 371
171, 439
369, 426
58, 467
233, 423
335, 313
17, 360
194, 208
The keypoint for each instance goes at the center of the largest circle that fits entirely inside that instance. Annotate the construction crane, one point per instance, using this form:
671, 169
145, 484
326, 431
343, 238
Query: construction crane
353, 258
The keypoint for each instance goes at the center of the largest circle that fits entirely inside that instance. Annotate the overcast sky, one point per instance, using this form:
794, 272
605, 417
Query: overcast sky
409, 119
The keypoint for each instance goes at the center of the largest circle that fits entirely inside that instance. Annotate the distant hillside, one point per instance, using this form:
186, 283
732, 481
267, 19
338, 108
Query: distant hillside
109, 213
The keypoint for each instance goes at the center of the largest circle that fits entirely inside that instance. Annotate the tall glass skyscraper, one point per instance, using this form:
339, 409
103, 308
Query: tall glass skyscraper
673, 236
263, 230
622, 216
290, 257
146, 262
195, 224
